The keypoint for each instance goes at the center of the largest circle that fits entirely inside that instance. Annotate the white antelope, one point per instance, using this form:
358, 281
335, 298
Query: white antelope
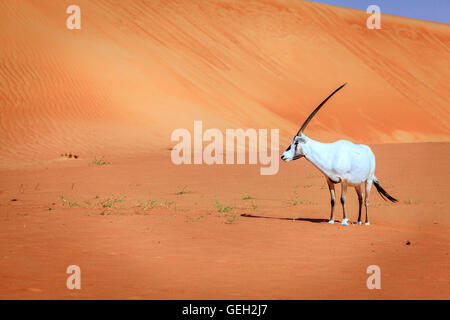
341, 162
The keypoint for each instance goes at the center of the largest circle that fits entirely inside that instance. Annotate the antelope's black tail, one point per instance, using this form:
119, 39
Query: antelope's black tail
383, 192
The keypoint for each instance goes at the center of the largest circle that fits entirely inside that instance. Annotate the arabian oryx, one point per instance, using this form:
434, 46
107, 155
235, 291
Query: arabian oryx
341, 162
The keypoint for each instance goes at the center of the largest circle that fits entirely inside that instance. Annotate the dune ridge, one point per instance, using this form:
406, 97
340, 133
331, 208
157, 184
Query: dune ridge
137, 70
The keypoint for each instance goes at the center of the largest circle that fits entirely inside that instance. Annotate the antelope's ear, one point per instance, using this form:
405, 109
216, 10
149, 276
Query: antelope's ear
301, 139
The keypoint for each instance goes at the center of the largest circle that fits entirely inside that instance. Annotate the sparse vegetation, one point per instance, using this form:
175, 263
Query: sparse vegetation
191, 219
146, 206
226, 211
247, 197
221, 208
308, 203
411, 201
68, 202
230, 218
24, 214
116, 204
295, 201
379, 204
110, 202
182, 191
167, 203
100, 162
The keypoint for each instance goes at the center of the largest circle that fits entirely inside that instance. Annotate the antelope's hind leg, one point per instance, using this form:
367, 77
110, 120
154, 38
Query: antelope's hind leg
333, 199
359, 192
343, 198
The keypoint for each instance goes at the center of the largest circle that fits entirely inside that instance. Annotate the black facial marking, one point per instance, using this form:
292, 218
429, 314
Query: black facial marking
288, 148
334, 182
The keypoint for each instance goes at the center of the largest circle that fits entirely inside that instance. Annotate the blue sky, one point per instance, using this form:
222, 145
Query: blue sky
432, 10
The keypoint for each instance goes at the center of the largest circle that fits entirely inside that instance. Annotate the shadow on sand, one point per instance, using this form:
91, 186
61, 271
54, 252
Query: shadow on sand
313, 220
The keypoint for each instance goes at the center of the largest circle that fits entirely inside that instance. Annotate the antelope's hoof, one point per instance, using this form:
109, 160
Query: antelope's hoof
345, 222
367, 223
359, 223
331, 221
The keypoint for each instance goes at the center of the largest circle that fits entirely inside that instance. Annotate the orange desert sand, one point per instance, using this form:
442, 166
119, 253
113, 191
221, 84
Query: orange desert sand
141, 227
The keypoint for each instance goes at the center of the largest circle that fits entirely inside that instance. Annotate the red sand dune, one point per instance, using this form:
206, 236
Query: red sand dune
137, 70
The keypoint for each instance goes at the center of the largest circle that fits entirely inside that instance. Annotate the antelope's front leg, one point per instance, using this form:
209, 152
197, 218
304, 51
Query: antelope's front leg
333, 199
343, 197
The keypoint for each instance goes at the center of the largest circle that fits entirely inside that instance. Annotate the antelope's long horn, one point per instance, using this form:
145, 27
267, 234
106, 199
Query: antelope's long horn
303, 127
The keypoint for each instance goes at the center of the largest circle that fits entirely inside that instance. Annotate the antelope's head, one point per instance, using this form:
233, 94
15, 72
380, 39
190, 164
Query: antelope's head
297, 149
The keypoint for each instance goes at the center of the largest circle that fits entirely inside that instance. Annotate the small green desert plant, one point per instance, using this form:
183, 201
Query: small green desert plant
23, 214
167, 203
221, 208
296, 200
411, 201
308, 203
110, 202
230, 218
247, 197
145, 206
68, 202
100, 162
182, 191
194, 219
63, 200
74, 204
